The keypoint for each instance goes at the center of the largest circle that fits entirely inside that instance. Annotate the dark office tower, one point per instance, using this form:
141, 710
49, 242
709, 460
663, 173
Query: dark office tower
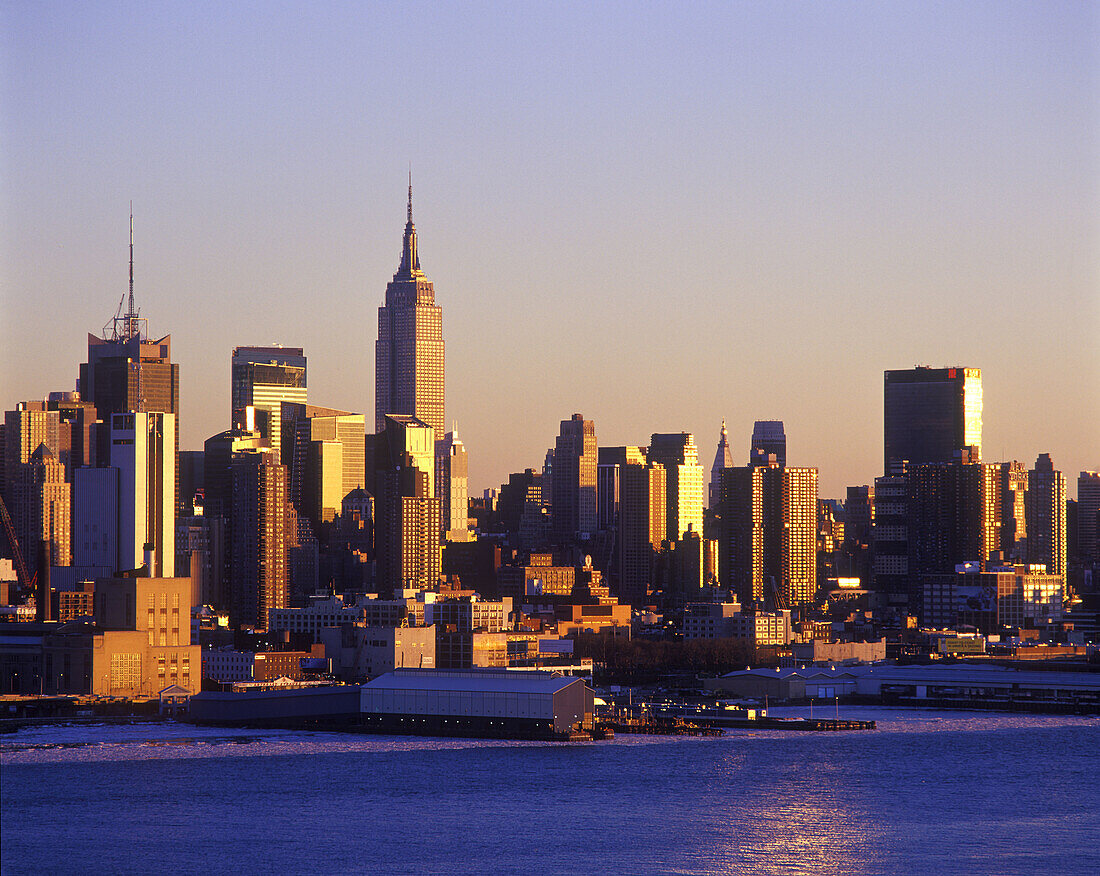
1014, 486
859, 520
573, 507
683, 482
930, 414
409, 352
129, 371
641, 529
723, 458
768, 439
264, 378
325, 454
1088, 516
954, 517
768, 534
890, 538
406, 533
632, 507
521, 502
258, 550
1046, 516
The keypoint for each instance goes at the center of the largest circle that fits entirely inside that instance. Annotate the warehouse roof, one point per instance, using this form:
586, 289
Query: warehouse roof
472, 681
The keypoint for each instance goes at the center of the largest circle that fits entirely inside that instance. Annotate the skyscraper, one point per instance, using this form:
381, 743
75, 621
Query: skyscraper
141, 450
573, 503
768, 533
407, 514
768, 439
683, 482
265, 377
452, 486
128, 371
258, 550
1046, 516
1088, 516
409, 351
930, 414
723, 458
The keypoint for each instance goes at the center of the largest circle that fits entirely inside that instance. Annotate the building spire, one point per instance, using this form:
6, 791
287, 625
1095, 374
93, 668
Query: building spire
410, 260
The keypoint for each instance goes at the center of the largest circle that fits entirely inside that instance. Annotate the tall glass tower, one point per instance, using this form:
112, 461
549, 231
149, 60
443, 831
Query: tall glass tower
930, 413
409, 351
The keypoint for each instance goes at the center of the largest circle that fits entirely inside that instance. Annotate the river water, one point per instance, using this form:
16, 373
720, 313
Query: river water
927, 792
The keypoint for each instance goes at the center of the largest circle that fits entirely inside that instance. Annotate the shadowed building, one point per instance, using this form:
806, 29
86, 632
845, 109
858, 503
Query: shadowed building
768, 439
573, 505
1046, 516
930, 414
258, 543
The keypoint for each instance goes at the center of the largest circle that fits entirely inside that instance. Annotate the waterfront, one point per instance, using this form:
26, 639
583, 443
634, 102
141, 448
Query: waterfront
934, 792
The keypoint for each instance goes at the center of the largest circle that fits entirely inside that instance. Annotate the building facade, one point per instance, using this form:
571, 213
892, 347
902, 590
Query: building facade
409, 351
931, 413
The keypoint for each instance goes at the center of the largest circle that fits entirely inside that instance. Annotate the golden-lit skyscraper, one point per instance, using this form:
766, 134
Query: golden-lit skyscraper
683, 482
409, 352
768, 533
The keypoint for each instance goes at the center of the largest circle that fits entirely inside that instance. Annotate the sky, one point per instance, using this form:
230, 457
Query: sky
659, 215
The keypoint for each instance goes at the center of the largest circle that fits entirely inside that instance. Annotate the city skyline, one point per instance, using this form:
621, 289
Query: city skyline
838, 211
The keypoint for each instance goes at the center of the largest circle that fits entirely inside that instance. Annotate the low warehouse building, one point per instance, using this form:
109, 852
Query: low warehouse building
473, 702
291, 705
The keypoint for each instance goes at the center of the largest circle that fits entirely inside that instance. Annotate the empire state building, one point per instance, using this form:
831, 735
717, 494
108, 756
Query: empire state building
409, 350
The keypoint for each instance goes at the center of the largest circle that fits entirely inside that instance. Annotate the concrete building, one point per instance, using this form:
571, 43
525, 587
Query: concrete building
822, 651
264, 378
930, 414
359, 652
539, 577
573, 482
409, 351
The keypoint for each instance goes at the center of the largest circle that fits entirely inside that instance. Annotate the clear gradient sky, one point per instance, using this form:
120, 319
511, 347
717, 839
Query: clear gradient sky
656, 214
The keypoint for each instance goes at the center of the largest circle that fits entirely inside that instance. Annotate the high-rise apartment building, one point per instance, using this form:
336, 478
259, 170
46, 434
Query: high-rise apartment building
407, 514
264, 378
930, 414
723, 458
409, 350
768, 439
1046, 516
573, 503
258, 538
683, 482
768, 533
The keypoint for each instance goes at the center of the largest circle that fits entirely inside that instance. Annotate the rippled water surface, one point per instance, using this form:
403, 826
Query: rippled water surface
928, 792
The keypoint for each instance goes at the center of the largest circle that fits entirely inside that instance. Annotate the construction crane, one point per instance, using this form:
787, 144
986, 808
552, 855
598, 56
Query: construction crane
17, 555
